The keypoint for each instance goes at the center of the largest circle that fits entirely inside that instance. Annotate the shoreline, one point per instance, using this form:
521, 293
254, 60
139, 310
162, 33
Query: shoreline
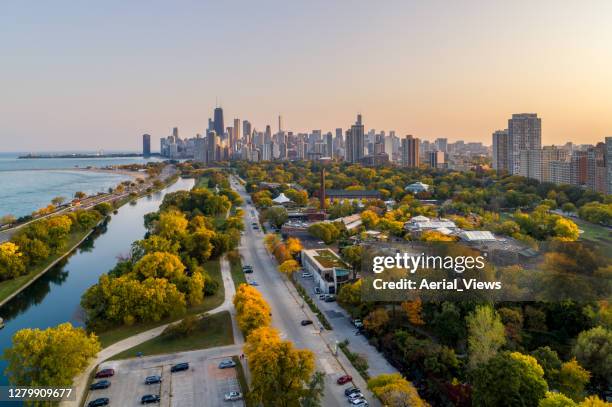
4, 301
133, 174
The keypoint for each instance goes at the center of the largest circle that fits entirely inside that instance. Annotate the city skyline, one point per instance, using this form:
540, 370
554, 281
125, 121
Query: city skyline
83, 78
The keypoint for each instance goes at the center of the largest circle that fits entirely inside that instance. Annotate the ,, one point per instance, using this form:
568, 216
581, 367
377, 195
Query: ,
344, 379
102, 384
99, 402
105, 373
227, 364
179, 367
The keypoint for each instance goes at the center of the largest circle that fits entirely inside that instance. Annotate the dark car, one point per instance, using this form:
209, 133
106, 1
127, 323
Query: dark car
306, 322
344, 379
330, 298
103, 401
102, 384
226, 364
153, 379
149, 398
105, 373
351, 390
179, 367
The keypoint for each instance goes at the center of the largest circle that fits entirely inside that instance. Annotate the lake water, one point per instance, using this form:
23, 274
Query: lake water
29, 184
55, 297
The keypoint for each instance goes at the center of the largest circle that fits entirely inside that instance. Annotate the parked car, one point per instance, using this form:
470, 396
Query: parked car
322, 296
179, 367
233, 396
227, 363
105, 373
351, 390
102, 384
344, 379
359, 403
317, 290
149, 398
254, 283
357, 323
330, 298
103, 401
153, 379
355, 396
306, 274
306, 322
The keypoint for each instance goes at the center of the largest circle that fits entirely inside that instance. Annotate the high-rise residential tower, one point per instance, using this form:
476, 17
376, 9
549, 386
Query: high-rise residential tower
355, 141
237, 133
501, 151
524, 133
410, 151
146, 145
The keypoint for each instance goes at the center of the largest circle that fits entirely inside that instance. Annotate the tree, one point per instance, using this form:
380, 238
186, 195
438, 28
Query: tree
593, 350
413, 310
104, 208
11, 261
172, 225
395, 391
572, 380
550, 362
556, 400
153, 244
566, 230
294, 245
7, 220
508, 379
199, 244
314, 391
370, 219
289, 267
376, 320
50, 357
276, 215
350, 295
568, 207
280, 373
160, 265
486, 335
58, 200
252, 311
80, 195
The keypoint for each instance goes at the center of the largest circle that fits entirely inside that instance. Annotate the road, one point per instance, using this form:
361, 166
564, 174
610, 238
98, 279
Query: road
288, 310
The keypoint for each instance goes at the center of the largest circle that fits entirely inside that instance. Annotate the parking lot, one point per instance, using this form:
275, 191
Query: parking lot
204, 384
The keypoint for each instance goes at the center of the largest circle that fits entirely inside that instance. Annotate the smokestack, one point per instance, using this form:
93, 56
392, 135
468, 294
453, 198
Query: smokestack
322, 192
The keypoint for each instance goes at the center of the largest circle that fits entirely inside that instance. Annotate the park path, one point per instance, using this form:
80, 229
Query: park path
81, 382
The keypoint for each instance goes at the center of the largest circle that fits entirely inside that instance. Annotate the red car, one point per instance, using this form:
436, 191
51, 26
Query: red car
105, 373
344, 379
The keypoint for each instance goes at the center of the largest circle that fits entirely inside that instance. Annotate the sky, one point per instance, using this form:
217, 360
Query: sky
97, 75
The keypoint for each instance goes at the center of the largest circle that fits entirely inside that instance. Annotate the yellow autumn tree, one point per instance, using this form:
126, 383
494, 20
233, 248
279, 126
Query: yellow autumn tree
413, 311
279, 371
252, 311
395, 391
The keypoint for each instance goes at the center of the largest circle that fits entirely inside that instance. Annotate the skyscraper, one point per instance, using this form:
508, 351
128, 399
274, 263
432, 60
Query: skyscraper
237, 133
329, 145
355, 141
246, 131
218, 121
609, 165
146, 145
280, 123
410, 151
524, 133
501, 151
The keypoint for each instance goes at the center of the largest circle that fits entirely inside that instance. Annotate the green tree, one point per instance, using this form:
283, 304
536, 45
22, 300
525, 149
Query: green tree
508, 379
593, 350
556, 400
572, 380
50, 357
485, 335
276, 215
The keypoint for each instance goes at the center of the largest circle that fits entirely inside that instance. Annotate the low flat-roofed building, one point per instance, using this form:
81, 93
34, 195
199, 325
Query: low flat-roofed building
419, 224
328, 269
343, 194
417, 187
477, 236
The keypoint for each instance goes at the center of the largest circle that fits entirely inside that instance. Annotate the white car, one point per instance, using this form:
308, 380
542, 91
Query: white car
359, 403
233, 396
306, 275
355, 396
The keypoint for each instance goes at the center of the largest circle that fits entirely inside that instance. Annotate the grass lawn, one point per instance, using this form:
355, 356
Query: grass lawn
8, 287
595, 233
202, 183
212, 331
213, 267
236, 270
